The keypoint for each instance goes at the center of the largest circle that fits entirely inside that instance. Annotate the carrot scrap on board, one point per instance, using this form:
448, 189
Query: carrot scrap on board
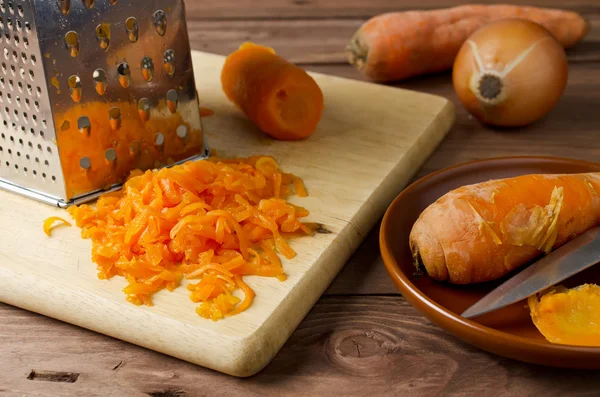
206, 112
211, 222
49, 223
279, 97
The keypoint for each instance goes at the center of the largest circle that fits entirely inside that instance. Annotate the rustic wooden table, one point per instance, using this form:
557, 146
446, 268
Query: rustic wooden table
361, 338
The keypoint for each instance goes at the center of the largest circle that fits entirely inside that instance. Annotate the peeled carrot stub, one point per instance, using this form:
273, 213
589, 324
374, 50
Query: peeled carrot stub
568, 316
49, 223
280, 98
212, 222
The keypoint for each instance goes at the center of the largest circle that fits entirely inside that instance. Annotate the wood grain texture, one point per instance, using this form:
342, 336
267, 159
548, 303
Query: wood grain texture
349, 346
313, 9
360, 157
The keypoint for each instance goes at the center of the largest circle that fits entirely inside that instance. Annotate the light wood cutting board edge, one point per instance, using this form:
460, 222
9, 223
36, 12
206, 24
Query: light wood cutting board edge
253, 352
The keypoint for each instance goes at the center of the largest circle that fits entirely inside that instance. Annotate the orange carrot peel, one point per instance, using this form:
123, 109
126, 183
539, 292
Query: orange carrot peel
211, 222
49, 224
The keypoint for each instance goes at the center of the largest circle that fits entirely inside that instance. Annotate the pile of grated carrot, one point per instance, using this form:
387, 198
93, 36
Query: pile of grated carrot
211, 221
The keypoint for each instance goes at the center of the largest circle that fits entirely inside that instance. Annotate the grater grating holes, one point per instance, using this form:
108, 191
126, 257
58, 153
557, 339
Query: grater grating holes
160, 22
132, 28
144, 109
103, 35
124, 72
72, 42
147, 69
64, 6
74, 83
114, 117
85, 163
88, 3
99, 77
172, 100
169, 62
84, 125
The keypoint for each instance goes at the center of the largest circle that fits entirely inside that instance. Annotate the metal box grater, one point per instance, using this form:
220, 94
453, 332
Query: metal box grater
90, 90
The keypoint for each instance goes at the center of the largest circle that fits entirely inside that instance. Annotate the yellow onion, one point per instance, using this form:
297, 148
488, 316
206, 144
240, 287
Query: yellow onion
510, 73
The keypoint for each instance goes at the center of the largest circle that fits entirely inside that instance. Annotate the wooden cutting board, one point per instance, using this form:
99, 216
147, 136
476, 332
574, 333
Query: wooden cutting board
371, 140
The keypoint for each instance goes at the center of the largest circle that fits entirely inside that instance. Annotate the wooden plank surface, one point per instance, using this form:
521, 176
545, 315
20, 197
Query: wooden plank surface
362, 313
353, 346
322, 41
201, 10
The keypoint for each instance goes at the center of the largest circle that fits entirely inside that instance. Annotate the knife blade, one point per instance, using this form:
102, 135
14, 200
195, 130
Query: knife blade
560, 264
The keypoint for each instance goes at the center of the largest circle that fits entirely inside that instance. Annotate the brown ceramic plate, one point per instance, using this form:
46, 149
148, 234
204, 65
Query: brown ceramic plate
508, 332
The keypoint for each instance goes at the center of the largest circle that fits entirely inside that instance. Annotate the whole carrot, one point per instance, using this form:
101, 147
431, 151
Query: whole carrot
399, 45
278, 96
483, 231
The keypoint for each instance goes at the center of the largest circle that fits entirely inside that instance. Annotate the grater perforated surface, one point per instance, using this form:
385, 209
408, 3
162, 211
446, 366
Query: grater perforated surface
90, 90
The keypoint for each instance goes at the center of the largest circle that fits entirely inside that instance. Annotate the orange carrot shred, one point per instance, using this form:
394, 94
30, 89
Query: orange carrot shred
213, 221
48, 223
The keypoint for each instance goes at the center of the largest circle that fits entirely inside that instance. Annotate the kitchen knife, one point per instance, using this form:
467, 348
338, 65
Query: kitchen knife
571, 258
